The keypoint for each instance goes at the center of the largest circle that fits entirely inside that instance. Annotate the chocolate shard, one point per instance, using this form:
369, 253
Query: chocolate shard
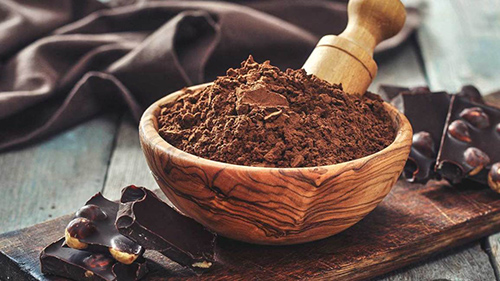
472, 158
150, 222
93, 229
427, 113
61, 260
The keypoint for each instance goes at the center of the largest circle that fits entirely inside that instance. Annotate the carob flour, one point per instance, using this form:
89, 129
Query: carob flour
258, 115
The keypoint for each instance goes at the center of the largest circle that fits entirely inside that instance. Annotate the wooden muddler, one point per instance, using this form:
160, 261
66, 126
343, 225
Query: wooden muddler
348, 57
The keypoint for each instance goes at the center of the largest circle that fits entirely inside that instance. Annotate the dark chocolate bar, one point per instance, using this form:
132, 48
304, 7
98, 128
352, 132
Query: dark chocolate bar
427, 113
144, 218
61, 260
470, 143
94, 229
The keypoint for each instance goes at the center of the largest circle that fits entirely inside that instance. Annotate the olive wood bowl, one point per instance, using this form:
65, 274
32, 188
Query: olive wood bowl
273, 205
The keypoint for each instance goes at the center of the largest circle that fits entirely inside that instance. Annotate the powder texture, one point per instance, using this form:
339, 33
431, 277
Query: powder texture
258, 115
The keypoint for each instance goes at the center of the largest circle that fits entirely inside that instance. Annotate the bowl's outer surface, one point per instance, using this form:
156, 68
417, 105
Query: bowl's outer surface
273, 205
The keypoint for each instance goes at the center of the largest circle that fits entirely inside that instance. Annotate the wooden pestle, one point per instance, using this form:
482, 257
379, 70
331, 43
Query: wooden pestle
348, 57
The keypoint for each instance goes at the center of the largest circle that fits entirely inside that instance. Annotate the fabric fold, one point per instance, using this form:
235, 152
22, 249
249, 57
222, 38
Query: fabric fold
64, 61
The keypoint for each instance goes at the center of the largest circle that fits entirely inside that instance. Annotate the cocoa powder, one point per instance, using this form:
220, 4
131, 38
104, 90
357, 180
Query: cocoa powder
258, 115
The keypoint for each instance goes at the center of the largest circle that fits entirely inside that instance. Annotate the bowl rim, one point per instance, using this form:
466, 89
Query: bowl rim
153, 138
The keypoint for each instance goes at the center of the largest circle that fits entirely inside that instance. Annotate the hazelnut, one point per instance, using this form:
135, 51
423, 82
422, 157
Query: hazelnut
411, 169
98, 261
203, 264
476, 117
459, 130
423, 143
450, 171
77, 229
124, 250
494, 177
477, 159
472, 93
73, 242
91, 212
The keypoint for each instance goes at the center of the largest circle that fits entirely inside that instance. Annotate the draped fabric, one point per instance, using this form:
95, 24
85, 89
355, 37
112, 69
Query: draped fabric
64, 61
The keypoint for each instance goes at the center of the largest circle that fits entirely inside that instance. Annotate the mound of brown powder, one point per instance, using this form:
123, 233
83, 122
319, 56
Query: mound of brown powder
258, 115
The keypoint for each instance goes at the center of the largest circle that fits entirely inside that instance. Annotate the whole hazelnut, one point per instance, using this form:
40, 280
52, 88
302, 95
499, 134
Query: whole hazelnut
472, 93
124, 250
91, 212
477, 159
494, 177
459, 130
476, 117
423, 143
77, 229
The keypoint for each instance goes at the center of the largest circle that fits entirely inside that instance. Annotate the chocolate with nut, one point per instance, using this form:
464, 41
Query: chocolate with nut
470, 142
94, 229
61, 260
426, 112
147, 220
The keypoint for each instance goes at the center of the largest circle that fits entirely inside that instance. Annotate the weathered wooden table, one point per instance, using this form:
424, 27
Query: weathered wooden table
458, 44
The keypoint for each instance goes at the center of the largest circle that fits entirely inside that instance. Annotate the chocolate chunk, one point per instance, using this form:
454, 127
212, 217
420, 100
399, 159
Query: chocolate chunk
61, 260
426, 112
259, 95
147, 220
94, 229
469, 155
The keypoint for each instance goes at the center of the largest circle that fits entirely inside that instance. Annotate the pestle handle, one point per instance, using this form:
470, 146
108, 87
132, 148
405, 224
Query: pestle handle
373, 21
347, 59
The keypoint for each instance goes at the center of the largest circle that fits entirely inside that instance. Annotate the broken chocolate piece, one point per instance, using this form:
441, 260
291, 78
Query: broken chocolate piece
472, 158
61, 260
94, 229
150, 222
426, 112
259, 95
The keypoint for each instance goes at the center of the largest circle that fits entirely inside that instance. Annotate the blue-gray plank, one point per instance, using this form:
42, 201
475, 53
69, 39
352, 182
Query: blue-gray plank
54, 177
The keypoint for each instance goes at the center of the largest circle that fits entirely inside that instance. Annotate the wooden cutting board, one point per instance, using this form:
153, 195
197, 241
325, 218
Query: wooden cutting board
412, 223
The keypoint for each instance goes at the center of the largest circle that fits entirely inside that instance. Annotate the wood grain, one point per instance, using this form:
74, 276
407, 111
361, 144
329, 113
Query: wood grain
273, 205
469, 263
53, 178
459, 40
412, 223
347, 59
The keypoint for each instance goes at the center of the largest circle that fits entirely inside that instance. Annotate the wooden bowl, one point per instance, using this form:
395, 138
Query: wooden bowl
273, 205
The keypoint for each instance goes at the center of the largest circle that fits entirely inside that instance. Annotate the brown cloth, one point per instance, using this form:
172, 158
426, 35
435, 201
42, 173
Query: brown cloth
64, 61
